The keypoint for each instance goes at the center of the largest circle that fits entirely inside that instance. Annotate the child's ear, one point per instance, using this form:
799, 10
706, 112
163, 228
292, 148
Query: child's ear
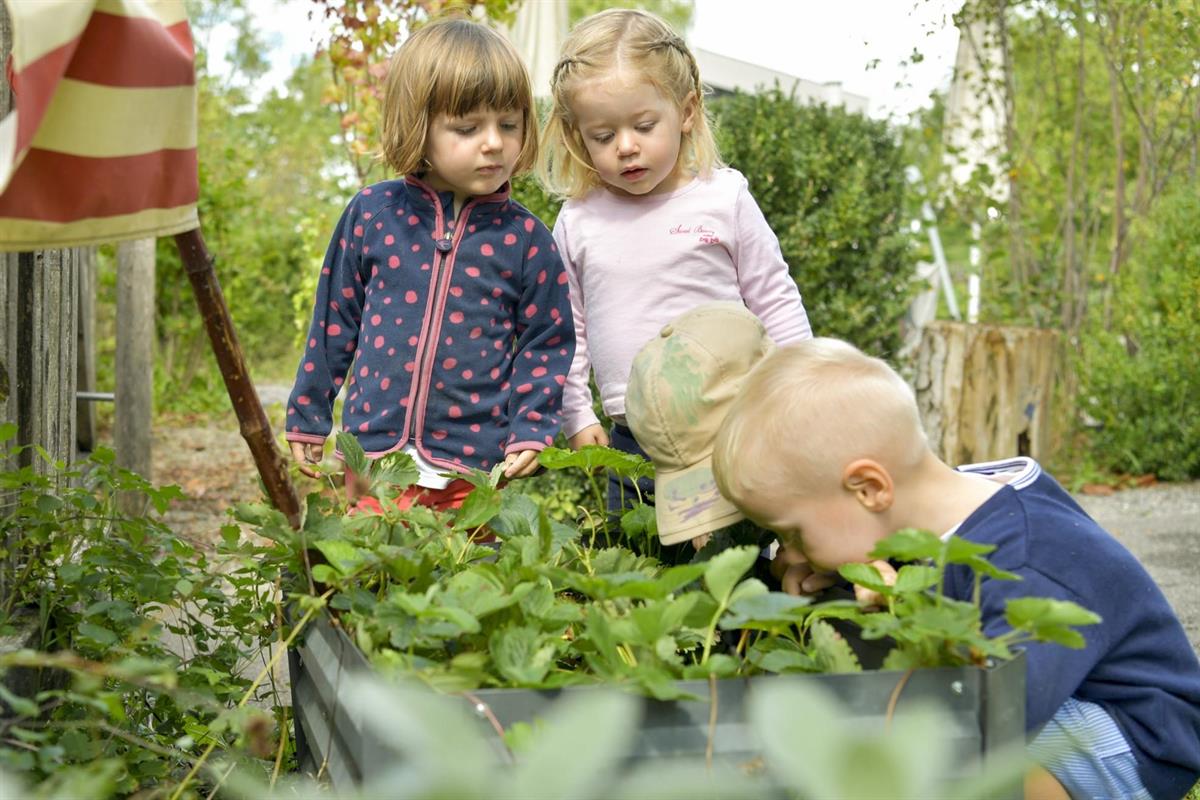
870, 483
688, 118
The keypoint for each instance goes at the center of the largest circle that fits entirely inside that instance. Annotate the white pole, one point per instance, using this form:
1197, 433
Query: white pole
939, 258
973, 286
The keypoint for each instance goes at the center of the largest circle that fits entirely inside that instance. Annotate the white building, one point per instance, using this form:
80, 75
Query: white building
724, 75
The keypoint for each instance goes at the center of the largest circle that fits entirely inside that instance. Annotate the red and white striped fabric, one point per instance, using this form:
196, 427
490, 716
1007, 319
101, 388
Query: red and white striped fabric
101, 142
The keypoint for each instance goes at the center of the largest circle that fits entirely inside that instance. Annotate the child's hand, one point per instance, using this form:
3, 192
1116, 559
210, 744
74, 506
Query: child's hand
521, 464
796, 574
592, 434
868, 597
307, 454
701, 540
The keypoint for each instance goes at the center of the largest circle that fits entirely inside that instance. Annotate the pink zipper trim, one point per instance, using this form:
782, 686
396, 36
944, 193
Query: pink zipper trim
443, 269
426, 321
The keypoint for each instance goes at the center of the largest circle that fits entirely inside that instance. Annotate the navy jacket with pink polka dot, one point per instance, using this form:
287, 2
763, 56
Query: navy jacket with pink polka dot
456, 335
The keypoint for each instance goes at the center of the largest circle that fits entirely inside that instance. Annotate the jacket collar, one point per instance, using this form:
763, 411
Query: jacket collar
422, 191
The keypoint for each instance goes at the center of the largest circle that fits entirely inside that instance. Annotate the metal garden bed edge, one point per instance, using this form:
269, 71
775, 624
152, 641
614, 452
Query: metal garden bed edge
985, 710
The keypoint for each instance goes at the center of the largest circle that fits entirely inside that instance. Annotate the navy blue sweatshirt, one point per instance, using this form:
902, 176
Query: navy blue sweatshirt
1138, 663
456, 334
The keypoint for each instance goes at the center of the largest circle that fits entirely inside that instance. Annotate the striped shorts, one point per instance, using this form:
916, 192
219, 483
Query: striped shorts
1084, 749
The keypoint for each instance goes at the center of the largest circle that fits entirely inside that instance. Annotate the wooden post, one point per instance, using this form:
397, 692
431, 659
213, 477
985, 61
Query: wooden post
134, 411
985, 391
255, 428
85, 351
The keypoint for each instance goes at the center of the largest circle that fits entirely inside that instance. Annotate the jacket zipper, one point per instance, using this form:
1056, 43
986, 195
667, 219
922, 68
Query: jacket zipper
445, 248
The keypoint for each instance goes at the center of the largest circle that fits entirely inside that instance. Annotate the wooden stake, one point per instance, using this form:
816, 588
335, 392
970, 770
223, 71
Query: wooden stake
255, 428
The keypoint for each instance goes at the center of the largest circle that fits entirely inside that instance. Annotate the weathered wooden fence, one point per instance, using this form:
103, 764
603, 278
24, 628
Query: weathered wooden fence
37, 340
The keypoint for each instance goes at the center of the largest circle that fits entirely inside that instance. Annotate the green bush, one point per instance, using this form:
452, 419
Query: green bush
831, 184
270, 181
1139, 378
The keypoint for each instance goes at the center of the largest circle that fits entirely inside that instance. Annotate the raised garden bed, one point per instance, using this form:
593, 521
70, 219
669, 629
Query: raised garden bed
985, 711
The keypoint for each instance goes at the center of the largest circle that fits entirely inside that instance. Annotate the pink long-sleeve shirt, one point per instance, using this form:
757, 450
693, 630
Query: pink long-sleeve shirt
635, 263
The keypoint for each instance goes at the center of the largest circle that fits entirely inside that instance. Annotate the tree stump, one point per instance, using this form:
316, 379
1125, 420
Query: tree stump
985, 391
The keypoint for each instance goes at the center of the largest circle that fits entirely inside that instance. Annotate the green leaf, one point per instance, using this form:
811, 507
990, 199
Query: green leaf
481, 592
23, 706
664, 779
785, 661
545, 534
481, 505
97, 633
915, 578
866, 576
656, 622
908, 544
655, 588
231, 535
97, 779
8, 430
591, 732
323, 573
522, 654
726, 569
593, 457
985, 568
962, 551
396, 471
719, 665
901, 659
953, 621
830, 649
1050, 620
434, 732
353, 454
639, 522
701, 613
341, 555
816, 746
518, 516
48, 504
70, 574
769, 612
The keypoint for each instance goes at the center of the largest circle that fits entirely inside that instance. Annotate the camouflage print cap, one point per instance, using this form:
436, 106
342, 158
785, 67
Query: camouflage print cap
682, 384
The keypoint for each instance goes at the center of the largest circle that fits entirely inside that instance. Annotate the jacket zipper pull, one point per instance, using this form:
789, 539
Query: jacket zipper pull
445, 244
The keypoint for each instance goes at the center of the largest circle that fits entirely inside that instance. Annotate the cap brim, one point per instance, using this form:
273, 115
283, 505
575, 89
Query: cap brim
687, 503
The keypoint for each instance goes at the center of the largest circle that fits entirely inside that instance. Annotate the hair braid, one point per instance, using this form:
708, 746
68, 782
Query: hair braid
675, 43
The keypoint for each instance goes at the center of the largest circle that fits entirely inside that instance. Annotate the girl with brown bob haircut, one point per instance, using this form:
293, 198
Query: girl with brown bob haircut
442, 303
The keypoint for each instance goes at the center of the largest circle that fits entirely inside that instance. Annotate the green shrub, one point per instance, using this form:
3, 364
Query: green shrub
1140, 379
527, 191
831, 184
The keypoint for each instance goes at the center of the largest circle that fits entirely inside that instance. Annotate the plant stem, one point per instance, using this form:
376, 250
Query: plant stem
283, 729
710, 634
712, 720
895, 697
250, 691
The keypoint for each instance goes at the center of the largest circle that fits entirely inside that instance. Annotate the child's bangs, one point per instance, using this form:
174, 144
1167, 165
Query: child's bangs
484, 77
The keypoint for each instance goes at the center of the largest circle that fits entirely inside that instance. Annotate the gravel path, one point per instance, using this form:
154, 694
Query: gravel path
1161, 525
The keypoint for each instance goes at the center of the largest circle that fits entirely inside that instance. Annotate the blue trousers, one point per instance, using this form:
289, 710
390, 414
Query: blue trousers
621, 492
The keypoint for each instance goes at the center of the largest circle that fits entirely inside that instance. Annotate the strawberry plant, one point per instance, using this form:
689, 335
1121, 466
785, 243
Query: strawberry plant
147, 651
550, 604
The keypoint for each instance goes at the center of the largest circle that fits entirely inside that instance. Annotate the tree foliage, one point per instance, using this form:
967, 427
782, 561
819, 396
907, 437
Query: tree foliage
831, 184
1097, 101
362, 35
269, 170
676, 13
1141, 384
